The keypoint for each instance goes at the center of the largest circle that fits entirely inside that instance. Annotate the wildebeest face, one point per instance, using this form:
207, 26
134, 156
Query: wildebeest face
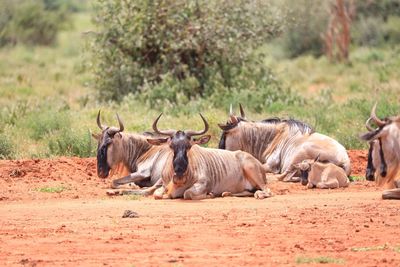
230, 137
304, 168
180, 143
108, 147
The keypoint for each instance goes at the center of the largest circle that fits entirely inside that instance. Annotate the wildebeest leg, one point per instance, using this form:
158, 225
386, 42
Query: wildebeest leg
391, 194
289, 177
253, 172
131, 178
197, 191
241, 194
275, 177
159, 193
328, 184
144, 192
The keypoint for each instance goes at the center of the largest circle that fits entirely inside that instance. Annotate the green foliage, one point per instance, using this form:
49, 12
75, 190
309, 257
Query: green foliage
321, 259
309, 19
72, 143
46, 121
6, 147
29, 22
150, 45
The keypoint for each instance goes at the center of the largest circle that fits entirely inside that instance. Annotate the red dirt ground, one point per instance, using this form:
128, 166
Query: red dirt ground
81, 226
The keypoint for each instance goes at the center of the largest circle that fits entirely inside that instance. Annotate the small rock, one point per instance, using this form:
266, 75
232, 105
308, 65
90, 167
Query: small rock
130, 214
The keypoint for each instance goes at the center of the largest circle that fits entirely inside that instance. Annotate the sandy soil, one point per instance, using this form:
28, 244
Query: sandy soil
81, 226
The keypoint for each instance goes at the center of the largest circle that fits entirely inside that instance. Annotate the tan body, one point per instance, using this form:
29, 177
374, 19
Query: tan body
279, 146
327, 176
144, 163
214, 172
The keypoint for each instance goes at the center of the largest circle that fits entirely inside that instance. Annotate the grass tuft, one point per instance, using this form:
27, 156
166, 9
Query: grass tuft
320, 259
49, 189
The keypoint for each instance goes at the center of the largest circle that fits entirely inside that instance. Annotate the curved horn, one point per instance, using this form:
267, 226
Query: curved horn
121, 125
167, 132
369, 128
192, 133
378, 121
98, 121
242, 111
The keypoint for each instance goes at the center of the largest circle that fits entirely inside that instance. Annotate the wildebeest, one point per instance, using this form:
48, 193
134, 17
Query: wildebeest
195, 172
384, 153
280, 143
375, 145
321, 175
130, 154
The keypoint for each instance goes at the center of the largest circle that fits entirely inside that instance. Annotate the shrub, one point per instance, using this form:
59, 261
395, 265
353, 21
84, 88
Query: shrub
72, 143
44, 122
6, 147
303, 34
144, 46
29, 22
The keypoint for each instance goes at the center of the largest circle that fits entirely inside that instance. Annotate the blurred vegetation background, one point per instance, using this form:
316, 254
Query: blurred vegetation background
63, 60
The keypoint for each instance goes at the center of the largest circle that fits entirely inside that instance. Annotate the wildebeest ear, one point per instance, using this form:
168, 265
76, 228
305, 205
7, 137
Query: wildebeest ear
226, 127
157, 141
371, 135
202, 140
96, 136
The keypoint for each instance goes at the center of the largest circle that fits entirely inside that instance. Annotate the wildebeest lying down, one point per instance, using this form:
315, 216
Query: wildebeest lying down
131, 154
279, 144
195, 172
384, 153
321, 175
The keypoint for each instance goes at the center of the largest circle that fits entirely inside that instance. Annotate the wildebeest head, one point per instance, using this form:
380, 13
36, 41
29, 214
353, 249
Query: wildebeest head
108, 146
229, 129
384, 145
180, 142
305, 167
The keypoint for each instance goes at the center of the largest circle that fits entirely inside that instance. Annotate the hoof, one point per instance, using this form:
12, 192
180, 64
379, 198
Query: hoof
259, 194
226, 194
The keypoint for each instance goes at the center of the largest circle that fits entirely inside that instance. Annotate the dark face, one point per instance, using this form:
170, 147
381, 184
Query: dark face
226, 128
180, 144
304, 177
105, 139
370, 171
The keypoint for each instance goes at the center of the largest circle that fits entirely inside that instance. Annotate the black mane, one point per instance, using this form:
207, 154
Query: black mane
293, 123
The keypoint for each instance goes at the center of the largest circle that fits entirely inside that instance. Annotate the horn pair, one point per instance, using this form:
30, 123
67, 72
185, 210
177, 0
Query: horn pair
242, 114
103, 127
377, 121
189, 133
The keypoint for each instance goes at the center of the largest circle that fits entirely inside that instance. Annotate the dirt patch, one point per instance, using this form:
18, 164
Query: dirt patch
55, 212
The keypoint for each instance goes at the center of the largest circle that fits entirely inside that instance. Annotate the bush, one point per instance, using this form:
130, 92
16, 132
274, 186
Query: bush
6, 147
44, 122
72, 143
145, 46
29, 22
303, 34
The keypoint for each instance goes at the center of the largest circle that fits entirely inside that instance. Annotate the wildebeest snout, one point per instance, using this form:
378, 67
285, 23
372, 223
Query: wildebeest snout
304, 177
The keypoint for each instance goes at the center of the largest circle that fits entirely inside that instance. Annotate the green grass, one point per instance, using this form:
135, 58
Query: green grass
377, 248
49, 189
357, 178
320, 259
133, 197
